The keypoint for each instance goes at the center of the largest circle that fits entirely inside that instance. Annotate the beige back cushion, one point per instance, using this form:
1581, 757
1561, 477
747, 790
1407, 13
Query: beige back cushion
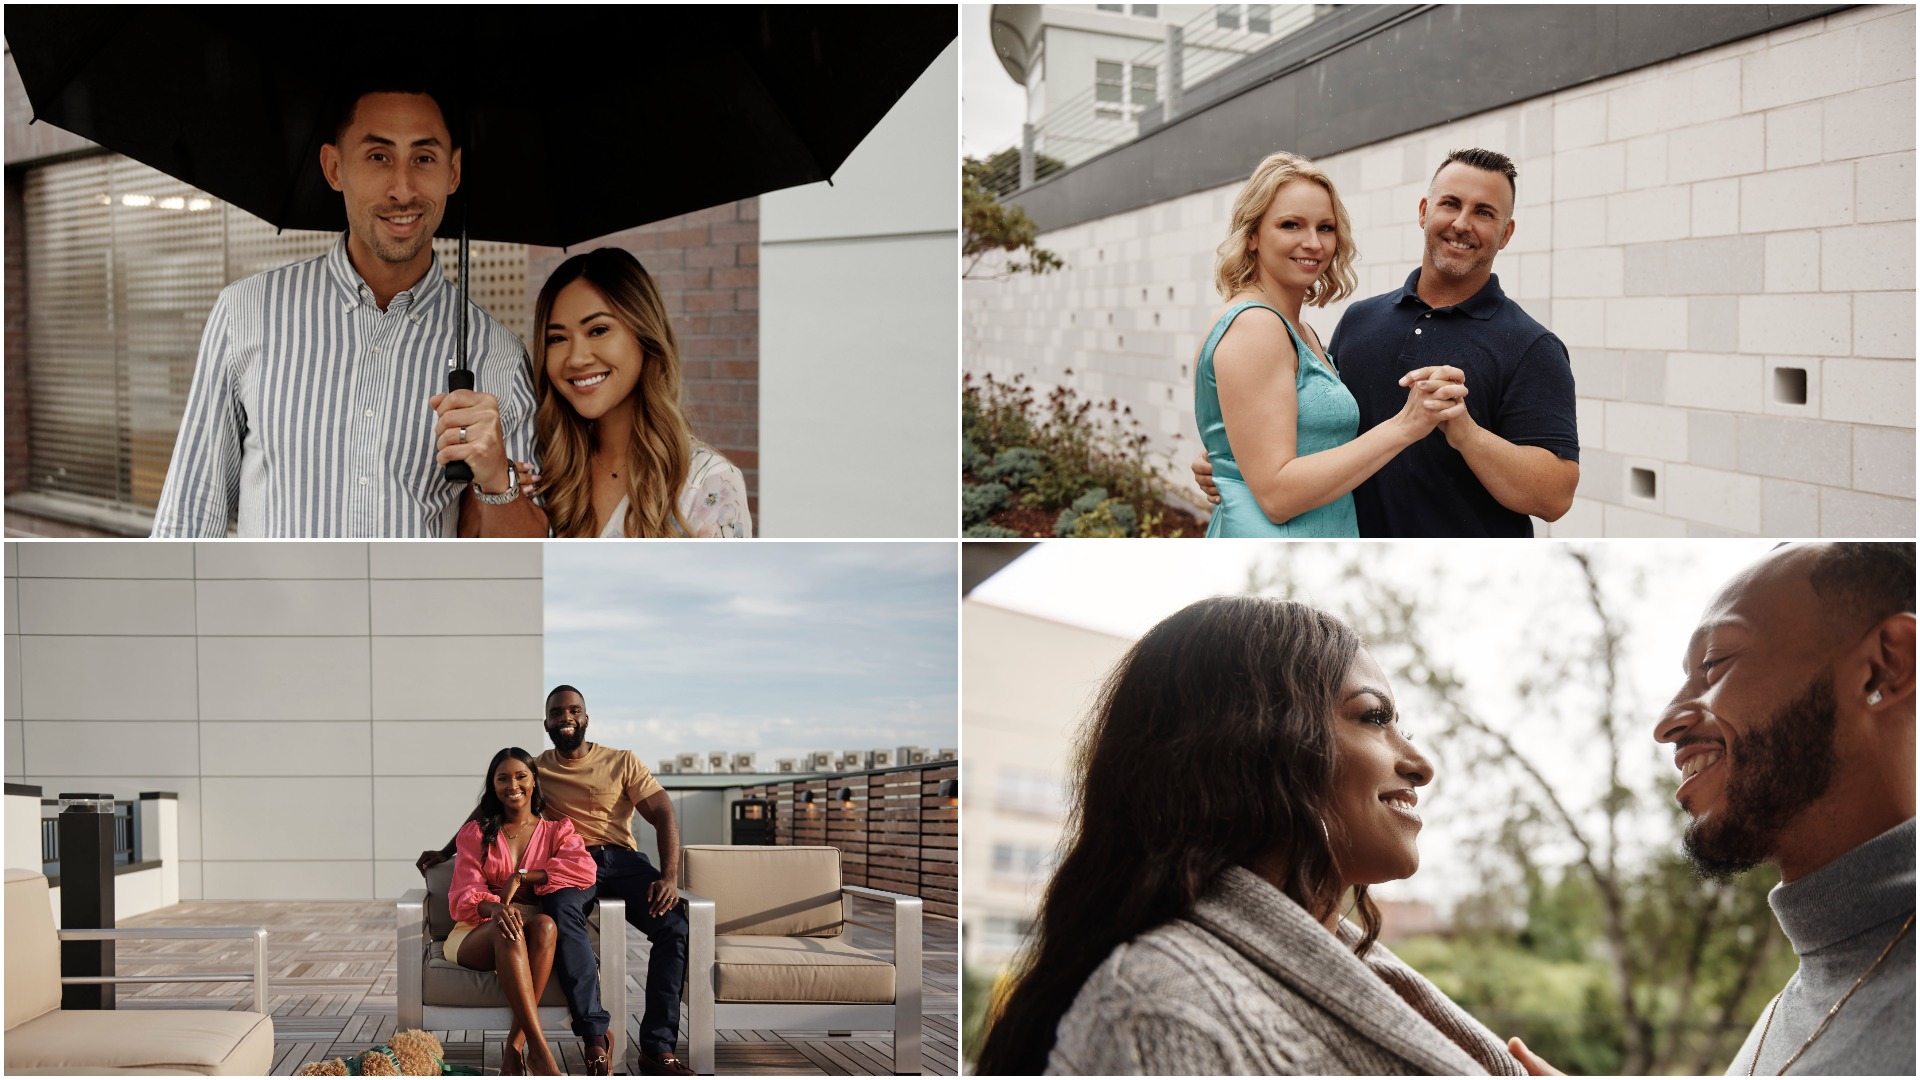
439, 918
32, 950
767, 891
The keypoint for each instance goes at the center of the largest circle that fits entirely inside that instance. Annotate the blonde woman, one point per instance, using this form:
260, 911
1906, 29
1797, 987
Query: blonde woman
1279, 427
617, 456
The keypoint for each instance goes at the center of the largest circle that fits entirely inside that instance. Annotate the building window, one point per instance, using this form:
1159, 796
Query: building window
1004, 931
1227, 16
1260, 18
1121, 90
1147, 11
1119, 9
1032, 793
1021, 864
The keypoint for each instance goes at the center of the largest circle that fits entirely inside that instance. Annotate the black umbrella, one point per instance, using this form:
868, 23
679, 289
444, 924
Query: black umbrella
579, 122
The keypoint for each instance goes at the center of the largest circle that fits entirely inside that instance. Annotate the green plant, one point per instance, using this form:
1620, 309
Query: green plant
1016, 466
989, 531
979, 501
972, 458
1094, 514
989, 226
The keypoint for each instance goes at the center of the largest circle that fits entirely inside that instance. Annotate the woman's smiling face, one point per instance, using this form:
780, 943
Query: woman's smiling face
1375, 829
513, 784
593, 360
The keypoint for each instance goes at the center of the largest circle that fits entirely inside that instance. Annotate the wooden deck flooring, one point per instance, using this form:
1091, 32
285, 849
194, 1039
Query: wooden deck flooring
332, 980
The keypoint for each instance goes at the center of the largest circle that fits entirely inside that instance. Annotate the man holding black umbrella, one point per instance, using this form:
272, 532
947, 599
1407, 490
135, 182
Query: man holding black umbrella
315, 408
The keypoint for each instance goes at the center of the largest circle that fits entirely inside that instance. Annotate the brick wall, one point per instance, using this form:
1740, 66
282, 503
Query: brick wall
16, 334
707, 264
1706, 235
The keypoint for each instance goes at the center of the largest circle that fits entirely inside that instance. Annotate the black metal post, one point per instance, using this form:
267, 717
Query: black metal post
86, 894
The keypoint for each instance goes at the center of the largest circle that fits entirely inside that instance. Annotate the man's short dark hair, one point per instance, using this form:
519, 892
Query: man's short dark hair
564, 688
347, 97
1490, 160
1864, 582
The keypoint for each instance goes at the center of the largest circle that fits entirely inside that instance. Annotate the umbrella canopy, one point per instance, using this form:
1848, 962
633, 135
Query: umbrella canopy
579, 121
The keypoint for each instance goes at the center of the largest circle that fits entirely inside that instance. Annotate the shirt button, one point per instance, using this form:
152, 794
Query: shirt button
369, 414
379, 348
1416, 329
364, 481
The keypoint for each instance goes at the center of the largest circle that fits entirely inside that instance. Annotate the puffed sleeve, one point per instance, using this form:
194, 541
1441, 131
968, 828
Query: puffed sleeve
714, 502
570, 866
469, 888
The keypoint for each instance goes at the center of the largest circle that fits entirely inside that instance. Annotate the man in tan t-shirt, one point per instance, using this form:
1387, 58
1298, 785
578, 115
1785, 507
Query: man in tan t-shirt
600, 789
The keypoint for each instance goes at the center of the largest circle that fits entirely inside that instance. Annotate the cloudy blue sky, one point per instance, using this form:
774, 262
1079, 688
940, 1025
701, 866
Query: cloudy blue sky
779, 648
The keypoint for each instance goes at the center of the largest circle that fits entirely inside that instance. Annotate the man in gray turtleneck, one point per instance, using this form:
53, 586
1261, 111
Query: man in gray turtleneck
1794, 736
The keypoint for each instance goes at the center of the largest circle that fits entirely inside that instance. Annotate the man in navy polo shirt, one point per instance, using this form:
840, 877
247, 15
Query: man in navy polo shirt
1515, 454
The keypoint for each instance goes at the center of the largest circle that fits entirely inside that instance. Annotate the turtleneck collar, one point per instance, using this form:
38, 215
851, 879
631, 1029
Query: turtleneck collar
1868, 886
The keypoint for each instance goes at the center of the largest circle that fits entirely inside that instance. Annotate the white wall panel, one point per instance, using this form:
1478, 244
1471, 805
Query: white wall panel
457, 607
393, 877
282, 607
280, 559
105, 678
285, 748
454, 560
113, 748
106, 560
15, 749
258, 879
449, 747
14, 677
417, 678
97, 606
305, 678
420, 813
286, 817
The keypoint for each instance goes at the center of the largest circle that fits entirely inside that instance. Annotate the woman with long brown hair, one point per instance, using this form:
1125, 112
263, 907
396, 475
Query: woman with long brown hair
617, 456
1242, 781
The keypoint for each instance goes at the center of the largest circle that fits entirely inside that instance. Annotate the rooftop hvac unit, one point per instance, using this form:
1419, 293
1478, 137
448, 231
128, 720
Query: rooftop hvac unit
853, 760
880, 759
787, 765
746, 762
820, 761
947, 754
668, 767
716, 761
911, 755
691, 763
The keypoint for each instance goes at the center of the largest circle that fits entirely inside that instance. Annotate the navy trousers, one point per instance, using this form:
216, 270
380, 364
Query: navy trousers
624, 875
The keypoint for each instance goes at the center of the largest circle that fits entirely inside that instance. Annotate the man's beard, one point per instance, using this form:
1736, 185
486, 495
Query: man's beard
568, 744
1781, 769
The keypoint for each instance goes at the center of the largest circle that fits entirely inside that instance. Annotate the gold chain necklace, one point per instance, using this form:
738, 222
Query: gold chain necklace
1831, 1013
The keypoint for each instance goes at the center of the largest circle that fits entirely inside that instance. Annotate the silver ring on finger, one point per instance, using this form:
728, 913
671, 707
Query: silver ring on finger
463, 434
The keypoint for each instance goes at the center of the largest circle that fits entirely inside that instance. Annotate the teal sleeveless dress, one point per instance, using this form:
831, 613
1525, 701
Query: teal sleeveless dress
1328, 417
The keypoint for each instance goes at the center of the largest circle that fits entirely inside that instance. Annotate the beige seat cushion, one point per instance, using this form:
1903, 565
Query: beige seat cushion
793, 969
32, 950
201, 1041
446, 984
775, 891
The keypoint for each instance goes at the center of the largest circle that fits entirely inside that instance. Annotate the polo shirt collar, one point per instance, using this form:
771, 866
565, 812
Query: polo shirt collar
348, 281
1481, 305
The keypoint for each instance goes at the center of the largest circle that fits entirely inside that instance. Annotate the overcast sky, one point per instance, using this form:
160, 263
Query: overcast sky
779, 648
992, 105
1488, 607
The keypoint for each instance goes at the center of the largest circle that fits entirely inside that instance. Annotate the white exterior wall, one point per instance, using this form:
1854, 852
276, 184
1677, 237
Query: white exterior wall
324, 710
1687, 230
1027, 683
859, 435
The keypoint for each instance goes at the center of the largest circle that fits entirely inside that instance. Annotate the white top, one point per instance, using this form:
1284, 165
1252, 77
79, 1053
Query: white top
714, 500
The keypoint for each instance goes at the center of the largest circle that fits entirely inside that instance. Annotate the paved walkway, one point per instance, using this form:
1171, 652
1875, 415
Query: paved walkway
331, 973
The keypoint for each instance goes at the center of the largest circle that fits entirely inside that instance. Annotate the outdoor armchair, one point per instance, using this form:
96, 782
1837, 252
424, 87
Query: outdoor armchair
438, 994
767, 949
43, 1038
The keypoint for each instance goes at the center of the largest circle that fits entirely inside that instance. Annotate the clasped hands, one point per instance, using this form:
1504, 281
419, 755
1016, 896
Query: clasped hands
483, 446
1436, 398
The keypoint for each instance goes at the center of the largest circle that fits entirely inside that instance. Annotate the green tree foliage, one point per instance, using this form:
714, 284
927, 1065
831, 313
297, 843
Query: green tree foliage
1604, 958
988, 225
1001, 172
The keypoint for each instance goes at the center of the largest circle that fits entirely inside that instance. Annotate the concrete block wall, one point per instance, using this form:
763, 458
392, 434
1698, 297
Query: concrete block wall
324, 710
1725, 242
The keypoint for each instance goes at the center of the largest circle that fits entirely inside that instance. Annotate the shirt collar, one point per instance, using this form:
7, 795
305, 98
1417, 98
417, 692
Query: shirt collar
1867, 886
356, 291
1480, 305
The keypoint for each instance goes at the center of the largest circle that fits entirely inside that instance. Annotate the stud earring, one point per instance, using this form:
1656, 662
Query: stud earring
1873, 698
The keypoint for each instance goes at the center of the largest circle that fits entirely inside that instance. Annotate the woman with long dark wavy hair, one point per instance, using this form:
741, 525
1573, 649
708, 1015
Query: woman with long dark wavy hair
506, 847
1241, 782
617, 455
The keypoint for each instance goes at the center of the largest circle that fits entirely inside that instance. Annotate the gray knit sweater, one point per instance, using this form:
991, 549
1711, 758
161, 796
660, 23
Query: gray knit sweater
1839, 918
1250, 984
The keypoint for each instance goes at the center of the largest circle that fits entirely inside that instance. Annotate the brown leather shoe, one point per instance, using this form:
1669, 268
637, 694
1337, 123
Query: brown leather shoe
596, 1048
666, 1064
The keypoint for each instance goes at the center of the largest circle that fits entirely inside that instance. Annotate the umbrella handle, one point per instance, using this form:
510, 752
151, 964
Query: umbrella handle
459, 472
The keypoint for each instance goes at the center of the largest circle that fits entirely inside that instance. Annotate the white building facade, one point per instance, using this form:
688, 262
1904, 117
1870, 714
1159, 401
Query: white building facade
1724, 240
325, 711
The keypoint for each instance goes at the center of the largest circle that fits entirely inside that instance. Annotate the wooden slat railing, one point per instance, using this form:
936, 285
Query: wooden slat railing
899, 835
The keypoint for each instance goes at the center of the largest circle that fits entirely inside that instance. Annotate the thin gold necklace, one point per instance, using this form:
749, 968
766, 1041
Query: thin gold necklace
1831, 1013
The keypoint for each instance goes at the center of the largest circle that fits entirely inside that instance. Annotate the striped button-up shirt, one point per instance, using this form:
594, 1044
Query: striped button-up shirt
308, 412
